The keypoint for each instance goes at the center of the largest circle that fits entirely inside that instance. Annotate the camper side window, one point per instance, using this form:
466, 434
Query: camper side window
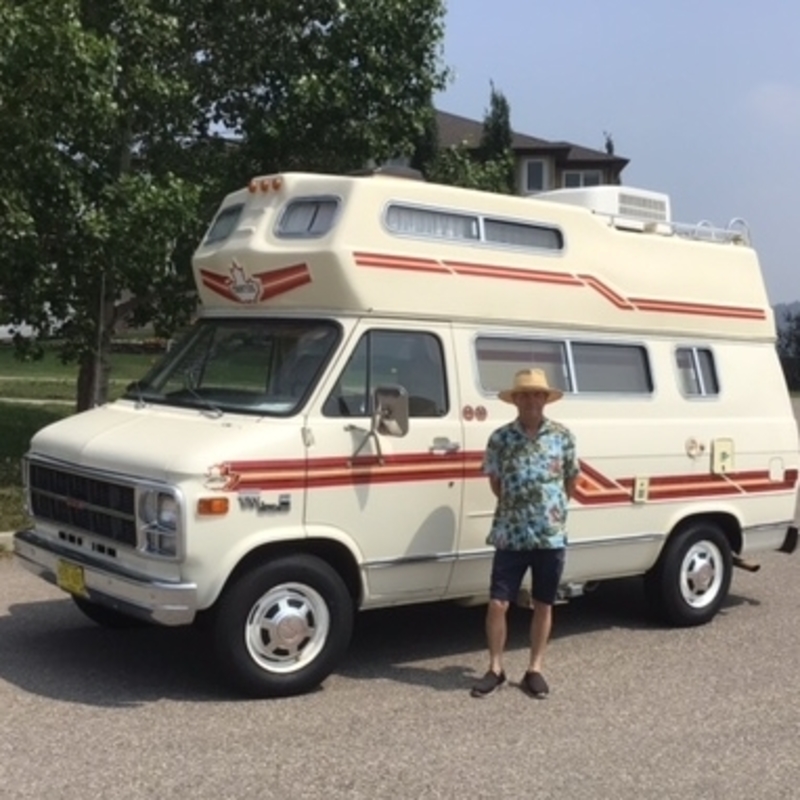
498, 358
611, 368
408, 359
697, 374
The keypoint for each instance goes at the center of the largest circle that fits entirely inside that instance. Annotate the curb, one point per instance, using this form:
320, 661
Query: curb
7, 541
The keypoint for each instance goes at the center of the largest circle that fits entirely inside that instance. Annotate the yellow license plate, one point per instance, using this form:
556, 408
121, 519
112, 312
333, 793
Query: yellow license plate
70, 578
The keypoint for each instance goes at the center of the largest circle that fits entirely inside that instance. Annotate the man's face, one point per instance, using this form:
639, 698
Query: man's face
530, 405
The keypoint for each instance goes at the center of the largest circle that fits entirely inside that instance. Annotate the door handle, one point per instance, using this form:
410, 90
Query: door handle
441, 444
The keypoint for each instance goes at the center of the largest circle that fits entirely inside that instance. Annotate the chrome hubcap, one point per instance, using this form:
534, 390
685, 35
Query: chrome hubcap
287, 628
702, 572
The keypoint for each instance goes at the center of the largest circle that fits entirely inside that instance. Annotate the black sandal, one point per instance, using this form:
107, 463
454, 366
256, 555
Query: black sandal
536, 685
488, 683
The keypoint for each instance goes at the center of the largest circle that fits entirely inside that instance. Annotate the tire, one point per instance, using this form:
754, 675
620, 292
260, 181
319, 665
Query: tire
281, 628
107, 617
691, 580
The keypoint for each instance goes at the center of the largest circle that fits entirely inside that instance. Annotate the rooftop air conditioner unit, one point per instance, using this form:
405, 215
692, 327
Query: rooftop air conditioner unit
615, 201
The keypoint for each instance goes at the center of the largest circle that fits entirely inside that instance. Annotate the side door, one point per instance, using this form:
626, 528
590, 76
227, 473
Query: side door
397, 498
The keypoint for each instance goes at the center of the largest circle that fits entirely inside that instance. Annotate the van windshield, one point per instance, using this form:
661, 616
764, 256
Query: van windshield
250, 366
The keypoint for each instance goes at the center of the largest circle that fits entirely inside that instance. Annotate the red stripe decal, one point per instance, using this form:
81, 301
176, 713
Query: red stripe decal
609, 294
462, 268
701, 309
594, 490
399, 262
511, 273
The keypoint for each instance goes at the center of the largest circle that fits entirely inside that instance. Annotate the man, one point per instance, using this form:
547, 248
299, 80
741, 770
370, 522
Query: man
532, 470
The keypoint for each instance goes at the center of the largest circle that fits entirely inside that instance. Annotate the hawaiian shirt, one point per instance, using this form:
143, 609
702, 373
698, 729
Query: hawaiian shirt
532, 509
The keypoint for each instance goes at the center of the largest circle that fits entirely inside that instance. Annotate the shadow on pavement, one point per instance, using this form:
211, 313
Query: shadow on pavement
48, 648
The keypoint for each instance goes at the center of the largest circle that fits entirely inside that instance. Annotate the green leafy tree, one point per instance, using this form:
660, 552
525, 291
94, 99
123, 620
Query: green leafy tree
489, 167
112, 114
323, 85
788, 346
496, 140
89, 93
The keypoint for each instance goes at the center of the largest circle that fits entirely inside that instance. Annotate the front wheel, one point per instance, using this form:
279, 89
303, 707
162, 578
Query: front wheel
691, 580
281, 628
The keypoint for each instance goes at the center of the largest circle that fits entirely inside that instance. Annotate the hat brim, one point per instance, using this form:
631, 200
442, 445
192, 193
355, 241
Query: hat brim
507, 395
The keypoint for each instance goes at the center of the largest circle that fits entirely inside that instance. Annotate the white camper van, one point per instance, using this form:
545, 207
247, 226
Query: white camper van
313, 446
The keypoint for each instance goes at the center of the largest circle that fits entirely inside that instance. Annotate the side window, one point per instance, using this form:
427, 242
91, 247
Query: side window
499, 358
612, 368
412, 360
224, 224
308, 217
697, 373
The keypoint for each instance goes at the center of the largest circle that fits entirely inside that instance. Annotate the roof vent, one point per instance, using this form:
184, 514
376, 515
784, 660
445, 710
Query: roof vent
615, 201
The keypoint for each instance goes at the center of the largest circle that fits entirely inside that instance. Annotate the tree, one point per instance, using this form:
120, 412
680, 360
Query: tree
496, 140
489, 167
112, 112
323, 85
788, 346
89, 91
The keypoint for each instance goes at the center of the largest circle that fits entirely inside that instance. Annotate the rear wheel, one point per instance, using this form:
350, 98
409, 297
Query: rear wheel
105, 616
691, 580
281, 628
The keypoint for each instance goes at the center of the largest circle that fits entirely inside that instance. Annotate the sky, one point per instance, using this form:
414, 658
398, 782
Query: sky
703, 97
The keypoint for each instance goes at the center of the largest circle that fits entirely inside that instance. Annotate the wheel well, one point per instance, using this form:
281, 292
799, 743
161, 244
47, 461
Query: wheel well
727, 523
333, 553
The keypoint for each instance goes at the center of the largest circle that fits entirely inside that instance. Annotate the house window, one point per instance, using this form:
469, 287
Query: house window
535, 176
697, 374
574, 179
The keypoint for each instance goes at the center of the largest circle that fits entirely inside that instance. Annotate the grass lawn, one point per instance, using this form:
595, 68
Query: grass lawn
125, 367
42, 380
17, 424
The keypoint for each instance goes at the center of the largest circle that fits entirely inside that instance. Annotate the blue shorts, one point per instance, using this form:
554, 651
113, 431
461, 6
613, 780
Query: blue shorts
509, 568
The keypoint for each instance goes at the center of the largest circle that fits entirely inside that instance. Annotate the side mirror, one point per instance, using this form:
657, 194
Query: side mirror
391, 410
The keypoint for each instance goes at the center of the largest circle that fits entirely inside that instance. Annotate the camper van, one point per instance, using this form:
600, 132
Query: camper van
312, 447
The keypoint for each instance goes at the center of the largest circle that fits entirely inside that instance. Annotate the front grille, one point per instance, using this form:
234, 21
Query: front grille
99, 507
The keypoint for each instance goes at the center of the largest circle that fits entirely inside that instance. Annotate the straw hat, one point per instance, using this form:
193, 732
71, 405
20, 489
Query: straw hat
530, 380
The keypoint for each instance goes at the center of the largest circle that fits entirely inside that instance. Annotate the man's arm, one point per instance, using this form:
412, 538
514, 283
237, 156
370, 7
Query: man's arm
569, 485
494, 482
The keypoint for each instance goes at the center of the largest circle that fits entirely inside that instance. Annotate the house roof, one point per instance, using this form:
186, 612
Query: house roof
455, 130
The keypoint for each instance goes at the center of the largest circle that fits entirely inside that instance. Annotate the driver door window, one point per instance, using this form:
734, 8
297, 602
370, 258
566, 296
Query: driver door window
412, 360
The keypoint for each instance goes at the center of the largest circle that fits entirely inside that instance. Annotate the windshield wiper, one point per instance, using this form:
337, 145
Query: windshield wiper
215, 410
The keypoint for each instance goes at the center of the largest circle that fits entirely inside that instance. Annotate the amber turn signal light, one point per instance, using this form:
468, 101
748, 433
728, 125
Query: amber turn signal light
212, 506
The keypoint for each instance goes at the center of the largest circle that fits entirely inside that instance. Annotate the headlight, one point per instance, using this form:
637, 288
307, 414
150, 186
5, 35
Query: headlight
167, 514
159, 515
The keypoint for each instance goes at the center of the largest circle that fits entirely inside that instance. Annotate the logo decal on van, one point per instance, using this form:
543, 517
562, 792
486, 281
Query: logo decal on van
240, 287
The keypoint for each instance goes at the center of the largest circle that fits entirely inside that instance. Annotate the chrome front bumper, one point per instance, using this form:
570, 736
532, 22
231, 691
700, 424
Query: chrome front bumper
108, 585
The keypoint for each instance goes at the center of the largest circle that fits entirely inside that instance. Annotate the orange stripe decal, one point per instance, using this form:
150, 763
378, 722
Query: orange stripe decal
593, 487
468, 269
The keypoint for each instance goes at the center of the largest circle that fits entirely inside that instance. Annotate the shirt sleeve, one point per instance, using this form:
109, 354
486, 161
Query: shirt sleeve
491, 458
571, 468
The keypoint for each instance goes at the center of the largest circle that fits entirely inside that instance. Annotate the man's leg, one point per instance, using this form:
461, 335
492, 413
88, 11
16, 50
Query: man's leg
541, 624
496, 633
548, 566
507, 571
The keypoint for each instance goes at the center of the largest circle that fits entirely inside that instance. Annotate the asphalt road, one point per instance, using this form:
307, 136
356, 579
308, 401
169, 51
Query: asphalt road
635, 710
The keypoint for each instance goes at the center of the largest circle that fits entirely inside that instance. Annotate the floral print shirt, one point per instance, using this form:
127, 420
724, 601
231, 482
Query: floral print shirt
532, 509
